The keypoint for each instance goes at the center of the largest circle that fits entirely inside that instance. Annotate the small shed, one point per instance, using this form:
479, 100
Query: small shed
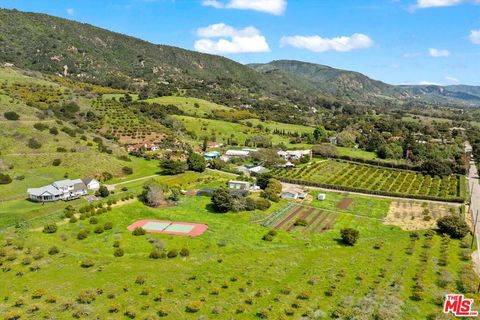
238, 185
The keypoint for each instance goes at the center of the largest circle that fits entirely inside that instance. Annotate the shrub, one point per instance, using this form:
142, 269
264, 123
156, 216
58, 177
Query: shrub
118, 252
138, 231
349, 236
157, 254
140, 280
53, 250
87, 263
5, 178
53, 131
172, 253
86, 297
11, 115
222, 200
56, 162
300, 222
453, 225
196, 162
82, 234
267, 237
193, 307
93, 220
184, 252
127, 170
73, 219
108, 225
34, 144
103, 192
40, 126
98, 230
50, 228
262, 204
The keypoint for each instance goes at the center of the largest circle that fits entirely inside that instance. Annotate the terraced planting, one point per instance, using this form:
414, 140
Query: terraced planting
118, 121
351, 176
303, 219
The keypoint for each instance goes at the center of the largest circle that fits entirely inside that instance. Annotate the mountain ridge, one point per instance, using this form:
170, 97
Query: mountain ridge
59, 46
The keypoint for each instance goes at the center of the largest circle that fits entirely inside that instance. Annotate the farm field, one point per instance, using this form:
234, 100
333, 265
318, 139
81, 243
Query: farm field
296, 273
223, 130
353, 176
191, 106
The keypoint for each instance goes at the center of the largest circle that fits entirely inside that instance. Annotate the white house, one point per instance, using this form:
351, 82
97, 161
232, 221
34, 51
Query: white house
294, 154
252, 169
91, 183
61, 190
237, 153
238, 185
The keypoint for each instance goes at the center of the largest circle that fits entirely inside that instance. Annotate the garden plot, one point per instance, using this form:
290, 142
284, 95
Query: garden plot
414, 215
303, 219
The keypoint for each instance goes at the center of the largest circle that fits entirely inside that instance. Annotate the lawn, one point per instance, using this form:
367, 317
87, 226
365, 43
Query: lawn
230, 271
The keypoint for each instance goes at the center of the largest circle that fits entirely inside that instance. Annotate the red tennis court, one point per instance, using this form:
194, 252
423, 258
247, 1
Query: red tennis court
170, 227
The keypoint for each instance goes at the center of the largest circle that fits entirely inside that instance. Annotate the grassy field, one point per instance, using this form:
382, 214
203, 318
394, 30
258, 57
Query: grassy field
191, 106
223, 130
230, 271
373, 178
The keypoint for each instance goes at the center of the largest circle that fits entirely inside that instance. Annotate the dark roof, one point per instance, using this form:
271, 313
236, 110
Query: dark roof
87, 180
79, 186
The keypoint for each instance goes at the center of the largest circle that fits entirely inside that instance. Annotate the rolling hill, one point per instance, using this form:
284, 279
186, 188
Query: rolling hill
84, 52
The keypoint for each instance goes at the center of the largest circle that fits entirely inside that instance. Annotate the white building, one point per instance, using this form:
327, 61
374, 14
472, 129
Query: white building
294, 154
92, 184
293, 194
60, 190
238, 185
237, 153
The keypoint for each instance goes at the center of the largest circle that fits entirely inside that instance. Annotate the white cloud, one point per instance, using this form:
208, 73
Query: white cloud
425, 4
319, 44
438, 53
231, 40
275, 7
70, 11
474, 36
224, 30
452, 79
422, 4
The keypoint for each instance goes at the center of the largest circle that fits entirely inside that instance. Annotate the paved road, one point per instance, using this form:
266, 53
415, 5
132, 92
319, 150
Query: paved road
473, 184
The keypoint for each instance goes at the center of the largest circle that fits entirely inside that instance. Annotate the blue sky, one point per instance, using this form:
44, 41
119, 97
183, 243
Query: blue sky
396, 41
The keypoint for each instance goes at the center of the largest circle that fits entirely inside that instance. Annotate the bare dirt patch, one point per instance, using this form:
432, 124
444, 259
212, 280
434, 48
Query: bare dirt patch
344, 203
413, 215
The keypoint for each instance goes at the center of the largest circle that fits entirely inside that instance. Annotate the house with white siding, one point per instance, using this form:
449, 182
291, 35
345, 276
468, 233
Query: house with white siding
62, 190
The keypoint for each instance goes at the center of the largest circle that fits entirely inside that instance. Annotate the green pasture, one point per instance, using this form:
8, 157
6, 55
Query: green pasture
230, 271
191, 106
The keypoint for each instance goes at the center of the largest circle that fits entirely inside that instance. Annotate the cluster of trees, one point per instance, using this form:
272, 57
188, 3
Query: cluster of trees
155, 194
224, 201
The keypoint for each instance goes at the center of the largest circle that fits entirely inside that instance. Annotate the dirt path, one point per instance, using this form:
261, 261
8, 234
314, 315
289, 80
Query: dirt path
474, 208
111, 187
